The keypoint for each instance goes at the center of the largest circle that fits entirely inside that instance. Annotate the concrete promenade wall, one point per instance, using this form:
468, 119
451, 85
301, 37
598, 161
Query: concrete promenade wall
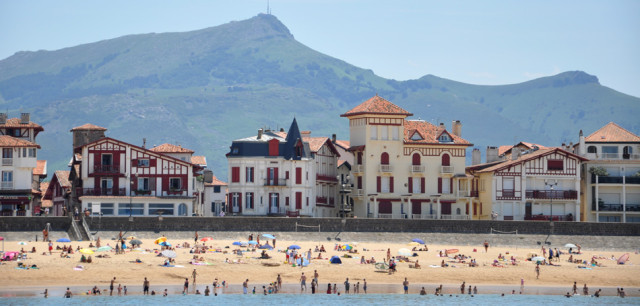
326, 225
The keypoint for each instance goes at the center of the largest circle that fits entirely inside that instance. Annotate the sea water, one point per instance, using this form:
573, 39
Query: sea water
323, 299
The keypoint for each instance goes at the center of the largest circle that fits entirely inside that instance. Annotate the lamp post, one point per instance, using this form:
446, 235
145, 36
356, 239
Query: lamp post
133, 177
551, 188
345, 189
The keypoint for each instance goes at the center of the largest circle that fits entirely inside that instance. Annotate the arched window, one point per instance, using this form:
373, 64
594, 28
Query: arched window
384, 158
416, 159
359, 162
445, 160
182, 209
458, 211
592, 149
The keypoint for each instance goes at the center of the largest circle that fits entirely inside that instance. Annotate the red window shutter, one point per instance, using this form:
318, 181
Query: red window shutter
416, 208
153, 162
235, 174
391, 184
273, 147
275, 175
384, 158
445, 160
439, 185
286, 201
378, 184
410, 185
240, 201
422, 185
298, 200
359, 158
134, 163
359, 182
416, 159
286, 175
298, 175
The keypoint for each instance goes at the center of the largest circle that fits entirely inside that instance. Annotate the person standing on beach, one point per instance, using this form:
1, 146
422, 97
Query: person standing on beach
125, 290
207, 291
245, 286
45, 235
50, 247
462, 287
346, 286
303, 282
119, 289
111, 286
486, 246
405, 285
279, 282
388, 254
46, 293
575, 288
314, 284
145, 287
522, 285
329, 288
186, 286
537, 271
193, 275
364, 285
585, 290
68, 293
315, 275
196, 238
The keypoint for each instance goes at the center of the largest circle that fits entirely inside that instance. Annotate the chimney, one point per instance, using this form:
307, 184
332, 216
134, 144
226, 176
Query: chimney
333, 138
144, 143
456, 127
475, 157
260, 131
582, 147
442, 125
3, 118
515, 153
24, 118
492, 154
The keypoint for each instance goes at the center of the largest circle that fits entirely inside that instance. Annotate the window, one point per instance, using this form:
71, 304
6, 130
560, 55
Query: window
446, 159
133, 209
384, 158
298, 175
182, 209
234, 150
7, 180
609, 150
508, 187
374, 132
395, 132
216, 189
385, 184
235, 174
143, 183
415, 159
444, 137
274, 147
107, 159
161, 208
446, 185
249, 200
417, 185
592, 149
106, 209
143, 163
24, 152
555, 165
7, 153
384, 132
32, 152
416, 136
249, 174
175, 183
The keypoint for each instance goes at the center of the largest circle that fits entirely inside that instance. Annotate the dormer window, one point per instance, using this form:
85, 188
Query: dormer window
444, 138
416, 136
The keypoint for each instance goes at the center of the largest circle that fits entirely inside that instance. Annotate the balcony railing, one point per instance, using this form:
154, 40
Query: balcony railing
618, 207
275, 182
417, 168
454, 217
552, 194
358, 192
321, 200
175, 191
106, 169
7, 161
616, 179
6, 185
103, 192
446, 169
618, 156
473, 193
385, 216
358, 168
424, 217
386, 168
547, 217
326, 178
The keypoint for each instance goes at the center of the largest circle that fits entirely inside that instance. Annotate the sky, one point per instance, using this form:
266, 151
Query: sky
476, 42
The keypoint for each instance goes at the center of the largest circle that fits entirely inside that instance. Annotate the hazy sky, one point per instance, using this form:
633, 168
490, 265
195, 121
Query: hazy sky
478, 42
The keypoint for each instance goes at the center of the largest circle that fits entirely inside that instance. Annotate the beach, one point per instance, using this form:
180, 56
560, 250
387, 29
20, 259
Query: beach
220, 262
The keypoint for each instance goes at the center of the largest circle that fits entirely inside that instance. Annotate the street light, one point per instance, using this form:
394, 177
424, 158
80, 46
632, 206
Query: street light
133, 177
551, 187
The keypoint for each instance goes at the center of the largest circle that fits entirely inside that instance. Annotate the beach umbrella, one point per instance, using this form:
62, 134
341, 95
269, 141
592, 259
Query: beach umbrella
161, 239
135, 242
252, 242
537, 259
205, 239
570, 245
269, 236
266, 247
64, 240
22, 243
169, 254
420, 241
86, 251
451, 251
294, 246
237, 243
164, 243
105, 248
413, 243
404, 252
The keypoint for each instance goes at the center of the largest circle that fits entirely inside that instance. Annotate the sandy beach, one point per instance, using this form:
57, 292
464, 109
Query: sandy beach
55, 271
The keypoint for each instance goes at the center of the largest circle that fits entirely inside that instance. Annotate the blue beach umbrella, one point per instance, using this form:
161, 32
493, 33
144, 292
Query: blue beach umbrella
63, 240
294, 246
266, 247
237, 243
335, 260
420, 241
164, 243
269, 236
253, 242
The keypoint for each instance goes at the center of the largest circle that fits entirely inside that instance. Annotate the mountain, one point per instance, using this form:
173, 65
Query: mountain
202, 89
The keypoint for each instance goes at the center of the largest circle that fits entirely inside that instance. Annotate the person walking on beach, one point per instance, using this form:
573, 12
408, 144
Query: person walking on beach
68, 293
486, 246
537, 271
45, 235
346, 286
245, 286
575, 288
405, 285
111, 286
303, 282
145, 287
196, 238
186, 286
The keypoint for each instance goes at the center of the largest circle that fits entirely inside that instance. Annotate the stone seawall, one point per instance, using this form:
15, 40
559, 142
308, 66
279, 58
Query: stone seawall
326, 225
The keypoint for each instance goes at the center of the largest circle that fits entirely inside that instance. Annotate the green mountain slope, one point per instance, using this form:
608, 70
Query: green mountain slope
204, 88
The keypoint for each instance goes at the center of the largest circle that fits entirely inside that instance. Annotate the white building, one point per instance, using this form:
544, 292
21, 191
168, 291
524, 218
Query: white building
406, 168
215, 198
611, 176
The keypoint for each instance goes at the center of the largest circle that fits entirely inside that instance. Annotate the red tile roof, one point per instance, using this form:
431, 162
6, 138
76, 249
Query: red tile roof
63, 178
523, 145
345, 144
428, 132
41, 168
8, 141
378, 106
612, 133
43, 187
199, 160
525, 157
216, 182
88, 127
15, 123
169, 148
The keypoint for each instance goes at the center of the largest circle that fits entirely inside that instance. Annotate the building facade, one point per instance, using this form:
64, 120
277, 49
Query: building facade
215, 198
611, 176
406, 168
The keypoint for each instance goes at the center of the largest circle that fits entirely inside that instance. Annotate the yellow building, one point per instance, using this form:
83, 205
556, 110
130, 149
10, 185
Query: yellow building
406, 168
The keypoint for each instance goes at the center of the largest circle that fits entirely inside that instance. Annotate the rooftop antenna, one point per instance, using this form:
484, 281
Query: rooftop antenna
268, 8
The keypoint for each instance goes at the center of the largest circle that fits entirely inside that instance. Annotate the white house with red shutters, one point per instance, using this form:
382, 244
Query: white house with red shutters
406, 168
536, 184
120, 179
278, 173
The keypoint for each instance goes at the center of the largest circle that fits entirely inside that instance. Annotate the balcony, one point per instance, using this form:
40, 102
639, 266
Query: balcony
275, 182
6, 185
103, 192
7, 161
547, 217
446, 169
612, 156
617, 207
358, 193
454, 217
385, 168
358, 169
106, 170
424, 217
473, 193
175, 192
552, 194
509, 195
417, 169
326, 178
321, 200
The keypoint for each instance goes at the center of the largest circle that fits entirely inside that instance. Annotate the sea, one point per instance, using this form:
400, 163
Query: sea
323, 299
